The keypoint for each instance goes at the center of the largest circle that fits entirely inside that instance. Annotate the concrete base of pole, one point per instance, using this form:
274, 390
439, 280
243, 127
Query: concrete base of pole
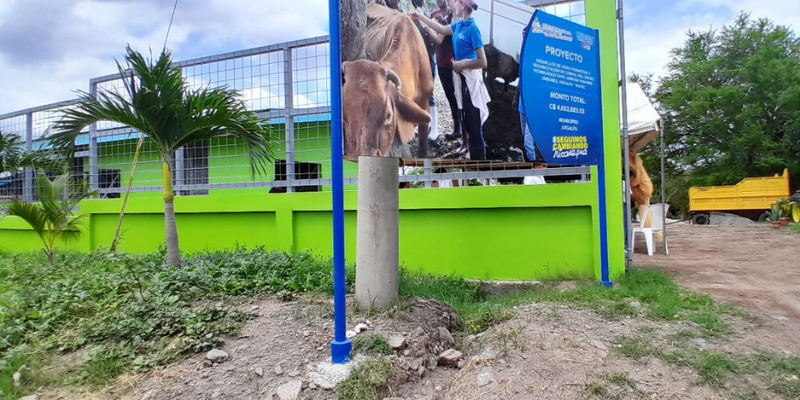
378, 233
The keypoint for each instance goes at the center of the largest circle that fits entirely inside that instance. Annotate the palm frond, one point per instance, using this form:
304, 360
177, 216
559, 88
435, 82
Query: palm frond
160, 105
46, 160
108, 106
12, 147
14, 156
30, 213
216, 112
73, 229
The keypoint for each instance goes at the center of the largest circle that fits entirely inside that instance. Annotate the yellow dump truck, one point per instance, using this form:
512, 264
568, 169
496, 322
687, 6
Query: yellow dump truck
751, 198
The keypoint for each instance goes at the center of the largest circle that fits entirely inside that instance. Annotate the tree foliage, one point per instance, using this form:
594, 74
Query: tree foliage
14, 156
52, 217
160, 104
731, 103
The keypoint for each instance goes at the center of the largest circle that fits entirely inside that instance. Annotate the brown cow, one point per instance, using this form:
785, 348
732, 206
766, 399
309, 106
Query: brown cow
387, 95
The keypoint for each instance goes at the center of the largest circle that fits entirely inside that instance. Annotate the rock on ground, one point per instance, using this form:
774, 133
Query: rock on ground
485, 377
450, 357
328, 375
397, 342
217, 356
290, 390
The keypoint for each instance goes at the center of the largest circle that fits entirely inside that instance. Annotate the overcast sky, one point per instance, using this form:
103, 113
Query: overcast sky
48, 48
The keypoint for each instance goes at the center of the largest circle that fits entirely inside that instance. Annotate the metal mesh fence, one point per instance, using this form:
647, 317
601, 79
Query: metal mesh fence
12, 180
287, 83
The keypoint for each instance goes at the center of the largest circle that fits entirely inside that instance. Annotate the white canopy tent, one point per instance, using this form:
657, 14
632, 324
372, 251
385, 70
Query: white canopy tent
644, 122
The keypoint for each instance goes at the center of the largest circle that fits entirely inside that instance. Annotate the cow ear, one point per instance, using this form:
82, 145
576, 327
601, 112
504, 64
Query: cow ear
344, 66
408, 110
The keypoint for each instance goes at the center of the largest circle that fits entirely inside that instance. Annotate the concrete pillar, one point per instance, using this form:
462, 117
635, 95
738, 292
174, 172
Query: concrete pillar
378, 232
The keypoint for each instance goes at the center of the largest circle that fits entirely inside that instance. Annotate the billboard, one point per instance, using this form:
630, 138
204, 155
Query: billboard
560, 97
430, 86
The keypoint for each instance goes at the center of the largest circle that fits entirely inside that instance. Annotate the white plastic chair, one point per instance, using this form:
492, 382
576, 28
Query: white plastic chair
653, 213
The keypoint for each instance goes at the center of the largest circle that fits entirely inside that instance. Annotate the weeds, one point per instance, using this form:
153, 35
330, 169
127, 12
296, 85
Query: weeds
640, 293
781, 373
135, 314
621, 379
597, 389
511, 339
369, 381
132, 311
373, 343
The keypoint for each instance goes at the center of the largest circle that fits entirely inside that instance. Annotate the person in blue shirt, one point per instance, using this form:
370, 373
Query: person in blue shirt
470, 59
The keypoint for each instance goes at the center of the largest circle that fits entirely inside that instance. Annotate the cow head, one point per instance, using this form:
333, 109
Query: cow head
372, 108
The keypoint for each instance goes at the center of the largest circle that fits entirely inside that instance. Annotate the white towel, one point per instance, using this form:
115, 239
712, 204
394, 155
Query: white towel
477, 91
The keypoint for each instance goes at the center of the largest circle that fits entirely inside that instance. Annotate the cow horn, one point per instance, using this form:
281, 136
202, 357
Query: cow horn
392, 76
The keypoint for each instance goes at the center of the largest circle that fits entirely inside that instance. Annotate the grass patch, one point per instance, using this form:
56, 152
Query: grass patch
369, 381
657, 295
621, 379
9, 365
648, 293
711, 366
373, 343
597, 389
476, 311
635, 347
780, 373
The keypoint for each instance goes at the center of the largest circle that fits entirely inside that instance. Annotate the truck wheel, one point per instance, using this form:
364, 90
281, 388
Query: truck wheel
763, 217
701, 219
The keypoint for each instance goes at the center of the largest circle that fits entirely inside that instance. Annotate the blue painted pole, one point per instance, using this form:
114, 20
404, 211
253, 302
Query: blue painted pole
341, 345
605, 277
605, 273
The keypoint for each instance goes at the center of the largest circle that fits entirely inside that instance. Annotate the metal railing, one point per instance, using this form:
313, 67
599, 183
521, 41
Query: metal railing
285, 82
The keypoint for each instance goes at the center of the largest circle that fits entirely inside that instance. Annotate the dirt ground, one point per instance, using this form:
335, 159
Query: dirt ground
546, 351
755, 267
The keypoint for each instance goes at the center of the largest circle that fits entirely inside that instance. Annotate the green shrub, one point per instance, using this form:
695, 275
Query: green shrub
135, 312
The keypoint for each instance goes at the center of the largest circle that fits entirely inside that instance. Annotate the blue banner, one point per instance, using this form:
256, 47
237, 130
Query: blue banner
560, 96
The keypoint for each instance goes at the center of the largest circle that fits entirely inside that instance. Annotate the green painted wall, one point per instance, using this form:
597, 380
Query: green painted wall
229, 162
601, 15
499, 232
496, 232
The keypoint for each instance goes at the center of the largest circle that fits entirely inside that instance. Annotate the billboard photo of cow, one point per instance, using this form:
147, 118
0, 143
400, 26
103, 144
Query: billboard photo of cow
426, 86
386, 97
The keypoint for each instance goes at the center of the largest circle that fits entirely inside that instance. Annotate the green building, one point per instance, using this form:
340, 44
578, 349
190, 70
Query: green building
509, 232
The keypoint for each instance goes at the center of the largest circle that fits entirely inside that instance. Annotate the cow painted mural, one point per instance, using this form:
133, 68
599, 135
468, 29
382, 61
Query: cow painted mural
389, 107
386, 97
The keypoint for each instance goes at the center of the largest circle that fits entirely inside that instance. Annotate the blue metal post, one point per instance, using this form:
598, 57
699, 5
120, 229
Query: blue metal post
341, 345
601, 192
605, 275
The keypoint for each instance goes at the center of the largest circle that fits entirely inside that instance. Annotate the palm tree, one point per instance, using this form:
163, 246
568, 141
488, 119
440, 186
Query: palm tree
11, 149
160, 105
14, 157
52, 218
